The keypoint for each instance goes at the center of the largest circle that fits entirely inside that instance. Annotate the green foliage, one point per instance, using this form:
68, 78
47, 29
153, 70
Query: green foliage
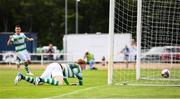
47, 17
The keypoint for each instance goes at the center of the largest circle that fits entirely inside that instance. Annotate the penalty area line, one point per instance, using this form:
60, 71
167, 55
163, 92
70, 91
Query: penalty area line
74, 92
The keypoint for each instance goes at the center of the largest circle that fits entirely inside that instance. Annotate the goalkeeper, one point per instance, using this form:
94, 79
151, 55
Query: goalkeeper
56, 74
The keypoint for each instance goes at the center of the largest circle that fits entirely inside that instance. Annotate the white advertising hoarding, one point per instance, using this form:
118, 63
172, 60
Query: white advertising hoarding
77, 44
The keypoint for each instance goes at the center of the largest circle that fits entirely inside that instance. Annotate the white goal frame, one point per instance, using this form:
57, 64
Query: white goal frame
111, 40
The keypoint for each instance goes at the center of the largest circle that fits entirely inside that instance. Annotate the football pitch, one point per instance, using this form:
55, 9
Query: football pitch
95, 86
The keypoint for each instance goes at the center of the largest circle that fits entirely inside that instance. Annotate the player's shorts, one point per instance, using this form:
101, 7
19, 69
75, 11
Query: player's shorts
135, 57
126, 57
23, 55
52, 70
90, 62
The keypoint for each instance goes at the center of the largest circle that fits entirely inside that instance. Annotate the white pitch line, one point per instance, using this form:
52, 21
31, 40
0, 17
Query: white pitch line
74, 92
6, 90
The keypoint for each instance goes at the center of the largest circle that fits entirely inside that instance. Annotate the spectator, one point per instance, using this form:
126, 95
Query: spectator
90, 60
103, 61
50, 50
133, 51
126, 52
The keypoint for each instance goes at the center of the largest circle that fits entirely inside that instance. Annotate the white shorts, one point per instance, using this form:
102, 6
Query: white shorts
23, 55
52, 70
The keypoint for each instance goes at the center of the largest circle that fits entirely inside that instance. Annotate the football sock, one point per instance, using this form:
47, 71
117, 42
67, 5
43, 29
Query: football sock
26, 68
49, 81
28, 79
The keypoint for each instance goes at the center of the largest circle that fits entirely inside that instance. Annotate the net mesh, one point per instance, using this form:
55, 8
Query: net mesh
160, 44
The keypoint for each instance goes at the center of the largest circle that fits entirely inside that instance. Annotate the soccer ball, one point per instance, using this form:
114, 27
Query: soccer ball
165, 73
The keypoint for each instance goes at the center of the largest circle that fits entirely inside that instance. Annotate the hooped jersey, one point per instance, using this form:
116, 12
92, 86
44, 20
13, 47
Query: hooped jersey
71, 70
19, 41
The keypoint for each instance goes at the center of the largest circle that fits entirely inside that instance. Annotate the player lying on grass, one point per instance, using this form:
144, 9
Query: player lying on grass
56, 74
18, 39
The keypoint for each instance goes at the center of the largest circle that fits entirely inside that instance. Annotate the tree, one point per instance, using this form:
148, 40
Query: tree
46, 17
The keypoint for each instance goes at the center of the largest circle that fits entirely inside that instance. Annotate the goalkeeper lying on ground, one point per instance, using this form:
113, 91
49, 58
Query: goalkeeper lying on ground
56, 74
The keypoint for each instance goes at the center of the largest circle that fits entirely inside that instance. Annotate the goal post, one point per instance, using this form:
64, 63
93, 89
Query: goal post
111, 41
114, 18
138, 32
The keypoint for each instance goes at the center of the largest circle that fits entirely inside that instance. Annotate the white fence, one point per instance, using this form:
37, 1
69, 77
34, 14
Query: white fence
42, 58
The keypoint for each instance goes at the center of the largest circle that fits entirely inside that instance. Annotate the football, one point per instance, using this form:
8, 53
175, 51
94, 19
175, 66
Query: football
165, 73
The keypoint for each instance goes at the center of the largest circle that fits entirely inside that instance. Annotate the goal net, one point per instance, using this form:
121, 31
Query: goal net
159, 42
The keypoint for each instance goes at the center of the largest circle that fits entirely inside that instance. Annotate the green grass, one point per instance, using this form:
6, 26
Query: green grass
148, 77
94, 87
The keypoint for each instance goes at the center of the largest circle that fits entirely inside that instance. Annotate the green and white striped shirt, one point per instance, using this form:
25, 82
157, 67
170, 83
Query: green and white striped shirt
19, 41
73, 70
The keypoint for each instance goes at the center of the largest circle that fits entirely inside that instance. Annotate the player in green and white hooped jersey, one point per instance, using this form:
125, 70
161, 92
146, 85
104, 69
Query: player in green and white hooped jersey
18, 39
56, 74
72, 71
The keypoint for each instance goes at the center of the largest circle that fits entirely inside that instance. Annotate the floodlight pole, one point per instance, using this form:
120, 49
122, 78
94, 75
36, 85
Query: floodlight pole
77, 16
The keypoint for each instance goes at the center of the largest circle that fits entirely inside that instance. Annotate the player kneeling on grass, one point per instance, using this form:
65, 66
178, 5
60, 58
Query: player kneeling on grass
90, 60
56, 74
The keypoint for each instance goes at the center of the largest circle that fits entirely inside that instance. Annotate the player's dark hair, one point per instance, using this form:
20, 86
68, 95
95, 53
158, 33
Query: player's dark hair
81, 61
17, 26
86, 53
